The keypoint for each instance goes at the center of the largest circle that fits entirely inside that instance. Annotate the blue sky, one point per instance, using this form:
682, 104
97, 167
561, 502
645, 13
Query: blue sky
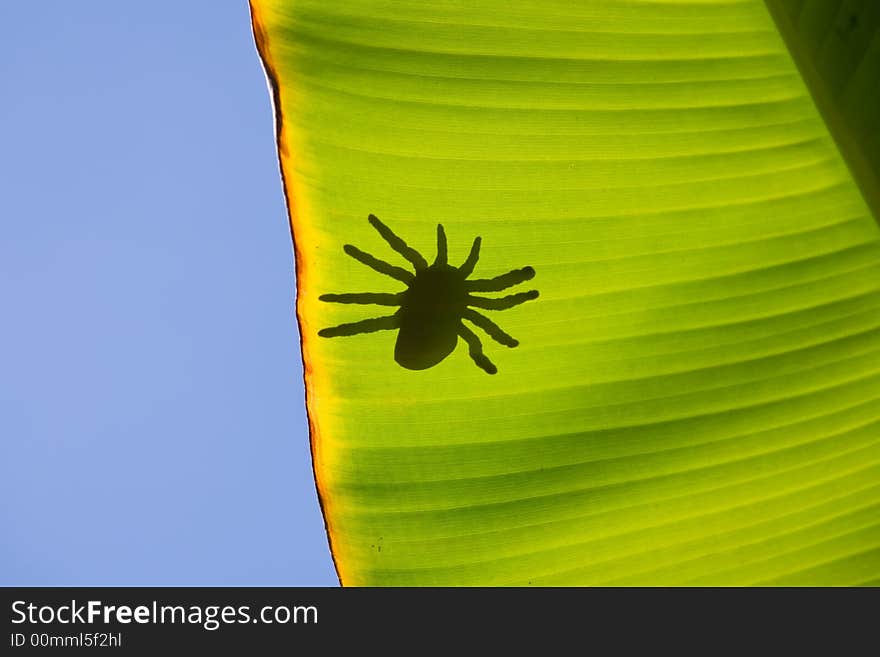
152, 426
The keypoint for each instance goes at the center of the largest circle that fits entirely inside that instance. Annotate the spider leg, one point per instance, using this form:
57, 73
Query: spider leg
398, 244
502, 282
378, 298
468, 266
363, 326
491, 328
379, 265
441, 246
475, 349
502, 303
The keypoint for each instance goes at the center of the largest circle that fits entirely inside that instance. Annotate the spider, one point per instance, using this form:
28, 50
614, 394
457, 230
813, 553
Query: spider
438, 297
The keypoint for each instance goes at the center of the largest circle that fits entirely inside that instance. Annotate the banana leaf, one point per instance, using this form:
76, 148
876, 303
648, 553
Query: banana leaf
659, 364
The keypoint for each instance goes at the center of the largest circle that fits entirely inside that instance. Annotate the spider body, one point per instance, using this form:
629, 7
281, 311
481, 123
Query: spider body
429, 315
434, 304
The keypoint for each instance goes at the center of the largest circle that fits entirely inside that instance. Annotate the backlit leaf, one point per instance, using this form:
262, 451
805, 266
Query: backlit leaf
695, 398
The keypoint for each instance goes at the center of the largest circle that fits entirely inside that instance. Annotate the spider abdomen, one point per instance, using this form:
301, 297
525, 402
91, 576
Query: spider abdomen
422, 344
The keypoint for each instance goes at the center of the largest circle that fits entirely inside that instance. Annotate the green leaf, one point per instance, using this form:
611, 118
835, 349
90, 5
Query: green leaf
836, 44
695, 397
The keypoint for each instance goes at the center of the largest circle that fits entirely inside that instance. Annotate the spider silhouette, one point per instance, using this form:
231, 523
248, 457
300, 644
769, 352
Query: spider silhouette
437, 298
